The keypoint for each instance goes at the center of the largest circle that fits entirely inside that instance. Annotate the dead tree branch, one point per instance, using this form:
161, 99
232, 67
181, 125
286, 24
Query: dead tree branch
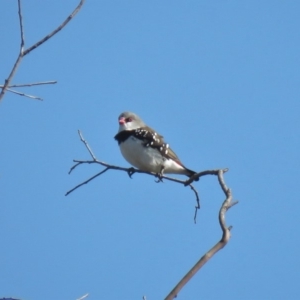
228, 203
131, 171
82, 297
23, 94
23, 52
30, 84
27, 85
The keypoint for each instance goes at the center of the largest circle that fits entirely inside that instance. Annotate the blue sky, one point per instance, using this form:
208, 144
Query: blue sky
220, 80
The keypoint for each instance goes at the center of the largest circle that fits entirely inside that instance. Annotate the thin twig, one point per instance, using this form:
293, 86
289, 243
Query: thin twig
23, 52
87, 146
198, 202
85, 182
20, 56
60, 27
83, 297
30, 84
23, 94
21, 27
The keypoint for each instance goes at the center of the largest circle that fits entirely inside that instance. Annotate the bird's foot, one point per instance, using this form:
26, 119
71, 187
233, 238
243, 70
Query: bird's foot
196, 179
131, 171
160, 176
193, 175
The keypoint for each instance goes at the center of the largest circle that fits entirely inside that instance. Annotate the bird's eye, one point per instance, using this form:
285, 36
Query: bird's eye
128, 119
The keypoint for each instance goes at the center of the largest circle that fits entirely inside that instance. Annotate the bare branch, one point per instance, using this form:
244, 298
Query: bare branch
60, 27
198, 203
21, 26
85, 182
23, 52
221, 244
225, 206
127, 170
30, 84
27, 85
20, 56
83, 297
23, 94
131, 171
222, 183
203, 173
87, 146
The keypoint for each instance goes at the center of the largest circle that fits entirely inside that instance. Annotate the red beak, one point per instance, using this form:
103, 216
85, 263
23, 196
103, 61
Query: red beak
122, 121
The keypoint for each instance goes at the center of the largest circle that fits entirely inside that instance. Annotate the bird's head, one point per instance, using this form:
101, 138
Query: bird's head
129, 121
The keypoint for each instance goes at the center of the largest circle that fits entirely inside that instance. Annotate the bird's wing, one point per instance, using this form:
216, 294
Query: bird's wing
154, 140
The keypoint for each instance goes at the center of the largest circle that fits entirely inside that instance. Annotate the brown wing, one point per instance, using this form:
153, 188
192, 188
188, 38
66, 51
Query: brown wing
154, 140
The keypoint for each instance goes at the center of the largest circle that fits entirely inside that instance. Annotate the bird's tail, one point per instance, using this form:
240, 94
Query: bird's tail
190, 173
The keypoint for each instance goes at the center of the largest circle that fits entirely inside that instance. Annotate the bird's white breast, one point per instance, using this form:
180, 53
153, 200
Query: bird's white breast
141, 157
147, 158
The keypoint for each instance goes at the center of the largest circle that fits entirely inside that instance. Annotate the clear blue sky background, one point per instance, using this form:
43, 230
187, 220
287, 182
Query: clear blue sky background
220, 80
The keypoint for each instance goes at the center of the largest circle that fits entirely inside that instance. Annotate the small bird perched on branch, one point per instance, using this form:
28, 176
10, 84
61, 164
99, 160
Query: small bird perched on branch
145, 149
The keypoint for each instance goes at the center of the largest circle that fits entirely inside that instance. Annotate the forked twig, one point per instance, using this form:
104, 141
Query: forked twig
228, 203
131, 171
60, 27
27, 85
24, 52
30, 84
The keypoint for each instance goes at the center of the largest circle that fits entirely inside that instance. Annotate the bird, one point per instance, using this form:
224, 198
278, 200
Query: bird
145, 149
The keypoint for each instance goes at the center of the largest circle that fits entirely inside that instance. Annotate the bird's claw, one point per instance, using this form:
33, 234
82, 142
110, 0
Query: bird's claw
130, 172
159, 177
